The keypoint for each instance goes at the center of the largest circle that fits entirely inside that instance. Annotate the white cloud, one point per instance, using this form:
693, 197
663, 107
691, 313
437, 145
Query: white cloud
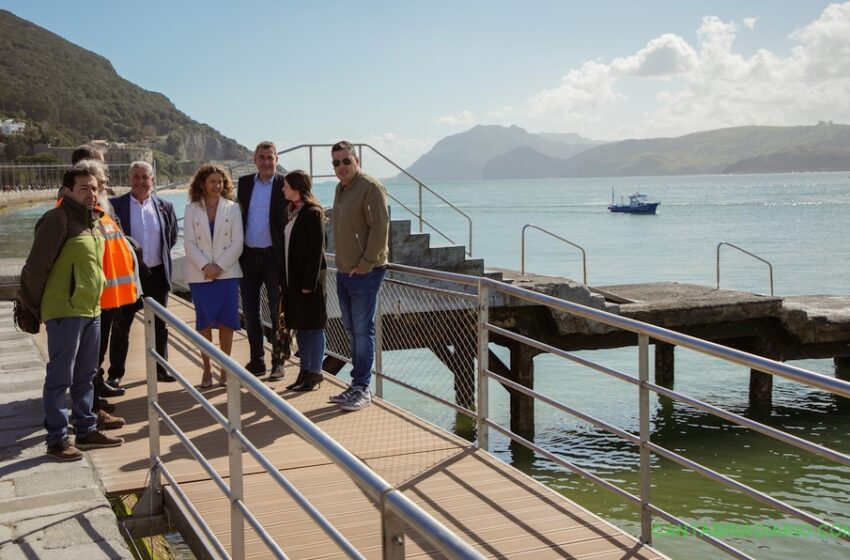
667, 55
462, 118
703, 86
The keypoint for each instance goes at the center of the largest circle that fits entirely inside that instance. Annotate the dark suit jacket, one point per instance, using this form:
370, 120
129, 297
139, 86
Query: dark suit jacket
306, 271
167, 222
276, 219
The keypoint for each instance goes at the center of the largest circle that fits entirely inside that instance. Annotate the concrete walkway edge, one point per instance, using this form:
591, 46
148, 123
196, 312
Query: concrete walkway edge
48, 510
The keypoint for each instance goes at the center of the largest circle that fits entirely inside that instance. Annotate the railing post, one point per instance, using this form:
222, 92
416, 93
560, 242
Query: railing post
234, 423
379, 350
483, 408
392, 529
153, 417
420, 209
645, 458
310, 149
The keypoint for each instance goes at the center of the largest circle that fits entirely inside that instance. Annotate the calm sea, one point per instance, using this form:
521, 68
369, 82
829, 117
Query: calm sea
797, 222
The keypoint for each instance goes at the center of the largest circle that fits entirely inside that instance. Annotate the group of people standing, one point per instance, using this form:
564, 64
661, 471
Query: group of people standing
94, 258
271, 233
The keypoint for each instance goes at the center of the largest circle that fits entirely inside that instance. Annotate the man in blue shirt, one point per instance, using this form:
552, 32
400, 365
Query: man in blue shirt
261, 200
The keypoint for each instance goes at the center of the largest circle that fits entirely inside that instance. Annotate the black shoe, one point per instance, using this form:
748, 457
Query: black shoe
108, 407
165, 377
113, 381
301, 375
107, 390
311, 382
258, 368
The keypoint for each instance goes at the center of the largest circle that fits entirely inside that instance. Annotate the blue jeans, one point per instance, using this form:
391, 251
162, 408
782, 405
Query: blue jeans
311, 349
73, 345
258, 267
358, 301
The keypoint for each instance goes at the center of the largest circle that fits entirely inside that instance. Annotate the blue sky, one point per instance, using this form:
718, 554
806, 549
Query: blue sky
401, 75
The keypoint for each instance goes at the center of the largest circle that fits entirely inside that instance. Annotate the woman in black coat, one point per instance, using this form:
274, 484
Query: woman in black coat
303, 276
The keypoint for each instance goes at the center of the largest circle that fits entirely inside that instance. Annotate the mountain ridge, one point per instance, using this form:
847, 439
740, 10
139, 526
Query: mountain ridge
496, 152
41, 74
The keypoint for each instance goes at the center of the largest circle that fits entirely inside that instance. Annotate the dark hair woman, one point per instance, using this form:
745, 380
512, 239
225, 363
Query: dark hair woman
303, 276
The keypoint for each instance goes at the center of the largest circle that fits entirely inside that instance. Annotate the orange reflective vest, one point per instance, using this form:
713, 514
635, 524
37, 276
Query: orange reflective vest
118, 265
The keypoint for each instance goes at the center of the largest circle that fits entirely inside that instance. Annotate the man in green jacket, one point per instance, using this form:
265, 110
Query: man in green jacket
61, 284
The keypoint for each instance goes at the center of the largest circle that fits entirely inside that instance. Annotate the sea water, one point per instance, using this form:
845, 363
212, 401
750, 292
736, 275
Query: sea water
797, 222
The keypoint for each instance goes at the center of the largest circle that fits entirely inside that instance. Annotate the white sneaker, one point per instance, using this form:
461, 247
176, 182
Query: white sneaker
342, 397
360, 399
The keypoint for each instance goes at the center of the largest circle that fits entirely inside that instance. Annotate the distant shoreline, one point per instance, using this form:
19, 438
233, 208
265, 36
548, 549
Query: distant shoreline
16, 200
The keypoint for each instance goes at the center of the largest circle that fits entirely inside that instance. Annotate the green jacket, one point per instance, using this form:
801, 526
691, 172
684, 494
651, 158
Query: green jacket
361, 223
63, 275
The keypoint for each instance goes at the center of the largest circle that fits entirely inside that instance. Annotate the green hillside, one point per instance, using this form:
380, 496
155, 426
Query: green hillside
68, 95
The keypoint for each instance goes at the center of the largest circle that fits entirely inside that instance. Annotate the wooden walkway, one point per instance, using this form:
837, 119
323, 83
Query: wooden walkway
499, 510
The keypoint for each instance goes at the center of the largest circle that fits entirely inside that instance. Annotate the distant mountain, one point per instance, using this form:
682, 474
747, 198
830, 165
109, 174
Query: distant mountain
744, 149
496, 152
466, 155
70, 95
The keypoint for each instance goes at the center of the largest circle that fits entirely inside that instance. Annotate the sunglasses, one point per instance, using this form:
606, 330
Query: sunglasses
343, 161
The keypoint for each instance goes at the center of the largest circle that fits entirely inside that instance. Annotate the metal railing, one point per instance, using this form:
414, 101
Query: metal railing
559, 238
438, 313
769, 266
37, 176
422, 188
396, 510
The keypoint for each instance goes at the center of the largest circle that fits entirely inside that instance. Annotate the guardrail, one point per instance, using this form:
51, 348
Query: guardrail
396, 510
439, 308
422, 188
769, 266
559, 238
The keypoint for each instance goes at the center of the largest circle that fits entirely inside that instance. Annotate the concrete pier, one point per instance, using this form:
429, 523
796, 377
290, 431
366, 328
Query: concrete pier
48, 510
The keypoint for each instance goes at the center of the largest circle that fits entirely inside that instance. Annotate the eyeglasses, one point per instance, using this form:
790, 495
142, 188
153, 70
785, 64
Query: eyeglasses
343, 161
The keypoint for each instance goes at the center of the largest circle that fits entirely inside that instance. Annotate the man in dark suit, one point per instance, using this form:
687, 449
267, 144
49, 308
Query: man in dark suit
151, 221
261, 201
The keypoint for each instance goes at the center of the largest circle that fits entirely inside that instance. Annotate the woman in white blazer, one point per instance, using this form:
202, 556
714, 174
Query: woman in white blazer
212, 239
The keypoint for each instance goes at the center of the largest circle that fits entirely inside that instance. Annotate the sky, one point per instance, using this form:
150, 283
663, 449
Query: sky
401, 75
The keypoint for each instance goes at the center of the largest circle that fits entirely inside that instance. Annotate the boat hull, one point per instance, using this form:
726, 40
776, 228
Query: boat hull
648, 208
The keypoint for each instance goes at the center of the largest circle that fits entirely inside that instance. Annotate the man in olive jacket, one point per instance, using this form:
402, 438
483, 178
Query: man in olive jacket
61, 284
360, 223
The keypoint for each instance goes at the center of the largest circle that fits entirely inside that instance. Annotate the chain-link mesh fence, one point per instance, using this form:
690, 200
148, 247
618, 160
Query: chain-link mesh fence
426, 337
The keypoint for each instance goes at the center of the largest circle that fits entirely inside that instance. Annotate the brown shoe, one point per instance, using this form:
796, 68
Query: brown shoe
106, 421
64, 451
97, 439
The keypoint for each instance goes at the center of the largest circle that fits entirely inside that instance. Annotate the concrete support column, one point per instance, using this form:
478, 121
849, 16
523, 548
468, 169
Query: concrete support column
664, 363
522, 406
761, 391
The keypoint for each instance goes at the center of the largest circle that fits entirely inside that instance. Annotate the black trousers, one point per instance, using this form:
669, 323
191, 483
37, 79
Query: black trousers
154, 286
259, 267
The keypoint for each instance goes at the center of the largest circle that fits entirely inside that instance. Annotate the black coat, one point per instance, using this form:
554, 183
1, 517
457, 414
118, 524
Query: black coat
306, 270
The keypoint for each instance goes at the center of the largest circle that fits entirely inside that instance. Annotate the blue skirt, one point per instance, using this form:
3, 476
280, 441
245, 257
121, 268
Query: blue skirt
216, 303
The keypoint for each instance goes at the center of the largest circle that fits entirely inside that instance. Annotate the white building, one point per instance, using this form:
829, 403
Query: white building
11, 126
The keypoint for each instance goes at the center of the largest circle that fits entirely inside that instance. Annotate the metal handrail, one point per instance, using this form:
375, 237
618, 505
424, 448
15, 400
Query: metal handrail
396, 509
421, 186
559, 238
487, 290
769, 266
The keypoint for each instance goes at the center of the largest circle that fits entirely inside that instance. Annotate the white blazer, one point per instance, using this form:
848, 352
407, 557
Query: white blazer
223, 249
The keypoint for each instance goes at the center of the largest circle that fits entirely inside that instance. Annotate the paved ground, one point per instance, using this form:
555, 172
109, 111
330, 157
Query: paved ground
48, 510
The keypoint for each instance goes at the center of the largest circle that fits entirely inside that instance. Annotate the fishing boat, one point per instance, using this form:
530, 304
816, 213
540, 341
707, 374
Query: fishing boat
638, 203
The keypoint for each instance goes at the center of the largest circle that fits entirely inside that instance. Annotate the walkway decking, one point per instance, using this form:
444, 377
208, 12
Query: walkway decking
501, 511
